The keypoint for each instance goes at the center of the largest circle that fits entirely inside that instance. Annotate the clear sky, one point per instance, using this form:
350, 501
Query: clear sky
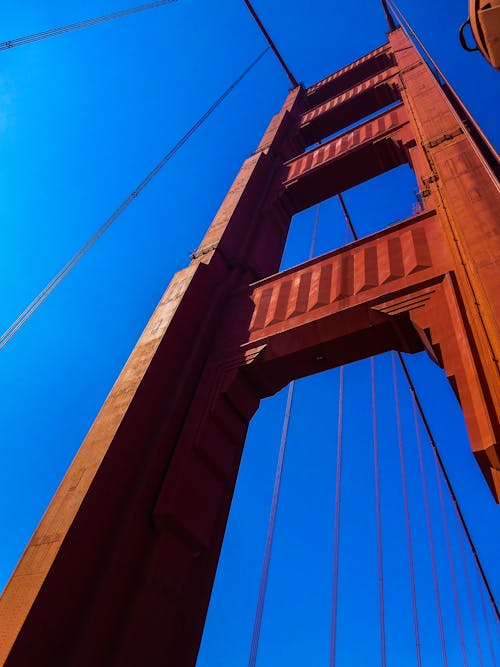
83, 118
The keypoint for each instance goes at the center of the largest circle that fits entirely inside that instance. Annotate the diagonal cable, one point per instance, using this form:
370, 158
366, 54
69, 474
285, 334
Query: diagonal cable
271, 43
435, 449
451, 565
430, 535
469, 592
78, 25
259, 612
50, 287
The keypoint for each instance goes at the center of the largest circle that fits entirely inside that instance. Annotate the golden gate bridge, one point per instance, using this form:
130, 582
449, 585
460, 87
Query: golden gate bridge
406, 288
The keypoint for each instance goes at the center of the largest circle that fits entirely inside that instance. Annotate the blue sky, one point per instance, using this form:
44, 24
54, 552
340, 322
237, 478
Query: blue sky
83, 118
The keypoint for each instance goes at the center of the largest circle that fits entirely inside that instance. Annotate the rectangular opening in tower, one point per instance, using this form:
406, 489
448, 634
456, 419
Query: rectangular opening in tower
373, 206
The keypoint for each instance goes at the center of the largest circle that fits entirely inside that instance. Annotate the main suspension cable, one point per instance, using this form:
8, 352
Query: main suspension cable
469, 592
430, 534
485, 616
440, 463
451, 565
272, 45
440, 77
49, 288
86, 23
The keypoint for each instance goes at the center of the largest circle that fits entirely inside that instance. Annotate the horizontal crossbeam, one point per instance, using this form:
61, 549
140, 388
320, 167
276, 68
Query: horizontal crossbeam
347, 77
392, 290
350, 106
364, 152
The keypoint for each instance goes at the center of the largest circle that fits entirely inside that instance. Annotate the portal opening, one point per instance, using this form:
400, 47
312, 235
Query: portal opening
373, 206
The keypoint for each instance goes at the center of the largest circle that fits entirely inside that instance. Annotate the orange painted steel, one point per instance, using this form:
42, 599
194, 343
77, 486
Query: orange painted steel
120, 569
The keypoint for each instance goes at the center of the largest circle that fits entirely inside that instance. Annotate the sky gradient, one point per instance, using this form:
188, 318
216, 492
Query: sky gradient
83, 118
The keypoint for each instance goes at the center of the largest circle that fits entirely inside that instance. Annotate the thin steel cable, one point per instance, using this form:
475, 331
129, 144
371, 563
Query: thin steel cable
408, 30
49, 288
469, 592
338, 489
259, 612
272, 45
451, 565
485, 615
407, 513
430, 535
347, 217
315, 232
78, 25
438, 459
378, 516
447, 480
388, 16
336, 524
435, 449
270, 531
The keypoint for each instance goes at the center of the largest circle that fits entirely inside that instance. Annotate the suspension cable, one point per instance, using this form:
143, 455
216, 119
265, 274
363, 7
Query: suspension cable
438, 74
407, 512
336, 524
338, 483
270, 531
49, 288
485, 616
451, 566
447, 480
430, 535
378, 516
388, 16
437, 454
469, 592
347, 216
315, 232
259, 612
86, 23
273, 46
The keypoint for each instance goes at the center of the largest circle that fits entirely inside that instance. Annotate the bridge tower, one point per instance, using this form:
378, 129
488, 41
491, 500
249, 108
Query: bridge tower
120, 569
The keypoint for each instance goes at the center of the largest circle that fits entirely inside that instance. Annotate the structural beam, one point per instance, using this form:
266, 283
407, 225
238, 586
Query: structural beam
364, 152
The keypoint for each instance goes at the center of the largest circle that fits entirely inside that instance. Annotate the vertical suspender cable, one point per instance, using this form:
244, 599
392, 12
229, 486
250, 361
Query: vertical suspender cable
336, 524
431, 536
270, 531
378, 514
439, 462
452, 568
469, 592
435, 449
407, 513
275, 500
338, 489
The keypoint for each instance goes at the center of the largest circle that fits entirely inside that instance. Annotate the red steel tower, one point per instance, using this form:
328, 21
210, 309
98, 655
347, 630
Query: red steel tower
120, 569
